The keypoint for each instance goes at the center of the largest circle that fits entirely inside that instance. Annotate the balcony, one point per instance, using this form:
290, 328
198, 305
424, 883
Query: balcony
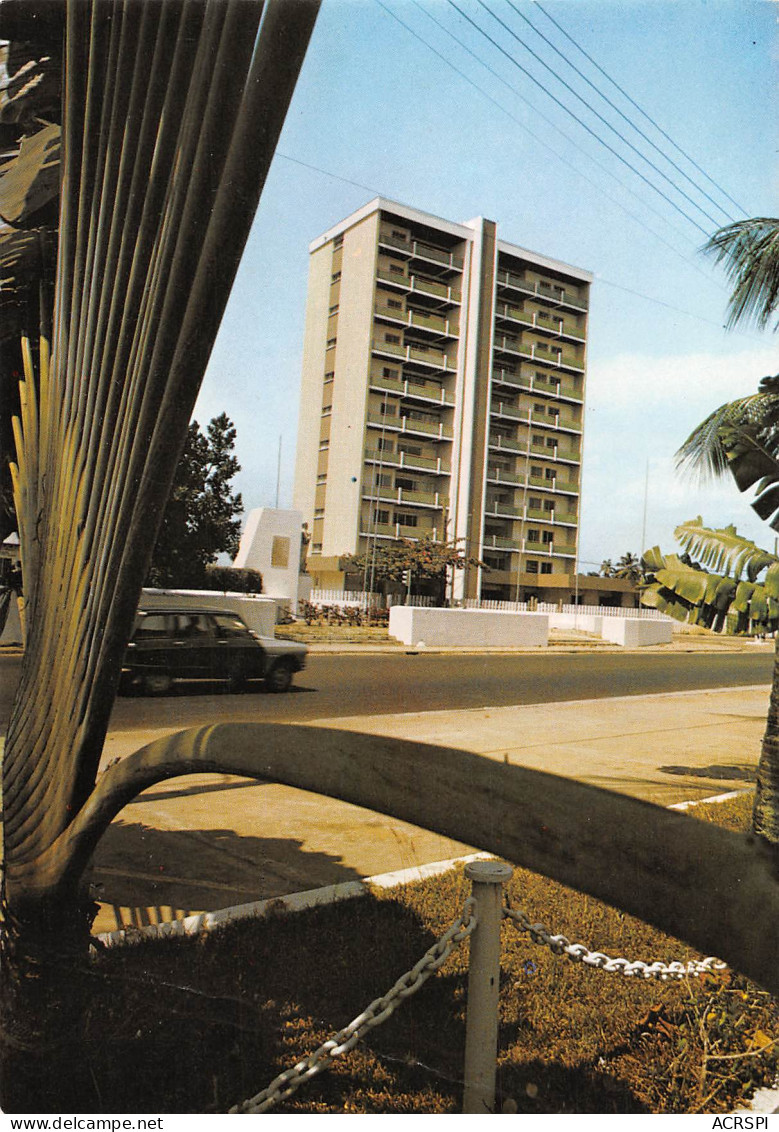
419, 320
396, 530
505, 444
406, 460
501, 542
432, 394
432, 499
543, 291
429, 429
433, 358
418, 285
502, 510
437, 255
391, 241
500, 475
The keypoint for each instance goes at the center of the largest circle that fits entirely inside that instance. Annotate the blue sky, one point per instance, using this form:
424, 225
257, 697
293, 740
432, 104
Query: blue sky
377, 111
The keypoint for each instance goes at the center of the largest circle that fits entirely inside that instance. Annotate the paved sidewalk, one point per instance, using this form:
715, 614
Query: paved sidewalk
205, 842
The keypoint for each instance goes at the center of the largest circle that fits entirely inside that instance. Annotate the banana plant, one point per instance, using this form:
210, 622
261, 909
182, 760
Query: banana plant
711, 591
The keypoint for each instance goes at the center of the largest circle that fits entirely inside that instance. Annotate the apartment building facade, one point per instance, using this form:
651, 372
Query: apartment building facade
442, 395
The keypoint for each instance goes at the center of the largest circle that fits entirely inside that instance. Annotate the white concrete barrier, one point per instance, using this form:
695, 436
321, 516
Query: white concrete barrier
450, 627
584, 622
257, 611
636, 632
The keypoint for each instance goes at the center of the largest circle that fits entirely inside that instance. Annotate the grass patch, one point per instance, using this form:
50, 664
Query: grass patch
199, 1025
335, 634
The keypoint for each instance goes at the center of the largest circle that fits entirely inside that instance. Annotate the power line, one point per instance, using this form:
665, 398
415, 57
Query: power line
600, 279
567, 109
625, 118
632, 101
557, 129
544, 143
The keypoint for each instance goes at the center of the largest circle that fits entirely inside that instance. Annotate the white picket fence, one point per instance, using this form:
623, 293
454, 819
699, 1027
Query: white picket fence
364, 600
552, 607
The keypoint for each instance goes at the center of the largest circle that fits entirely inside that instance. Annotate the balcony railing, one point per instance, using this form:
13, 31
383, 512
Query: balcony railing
396, 530
405, 495
409, 424
432, 393
433, 358
569, 298
407, 460
438, 290
437, 255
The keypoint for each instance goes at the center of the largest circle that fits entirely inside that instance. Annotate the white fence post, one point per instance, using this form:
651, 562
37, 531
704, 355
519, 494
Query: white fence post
481, 1028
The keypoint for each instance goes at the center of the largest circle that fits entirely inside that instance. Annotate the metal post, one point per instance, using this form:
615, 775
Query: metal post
481, 1029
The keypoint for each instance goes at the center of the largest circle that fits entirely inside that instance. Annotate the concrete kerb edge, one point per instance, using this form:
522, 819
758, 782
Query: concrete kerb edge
282, 905
316, 897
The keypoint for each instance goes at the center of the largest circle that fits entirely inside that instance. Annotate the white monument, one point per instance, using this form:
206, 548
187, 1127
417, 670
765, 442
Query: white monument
270, 543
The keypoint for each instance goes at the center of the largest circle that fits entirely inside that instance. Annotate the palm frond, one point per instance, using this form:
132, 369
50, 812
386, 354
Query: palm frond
749, 252
723, 551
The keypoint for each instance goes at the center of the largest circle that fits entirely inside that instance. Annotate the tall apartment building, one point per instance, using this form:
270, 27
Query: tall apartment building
442, 395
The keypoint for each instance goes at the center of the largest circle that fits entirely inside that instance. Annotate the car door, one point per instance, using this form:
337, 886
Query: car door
194, 641
237, 650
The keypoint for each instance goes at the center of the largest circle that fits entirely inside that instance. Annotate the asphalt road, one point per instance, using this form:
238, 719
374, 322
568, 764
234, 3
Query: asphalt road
362, 683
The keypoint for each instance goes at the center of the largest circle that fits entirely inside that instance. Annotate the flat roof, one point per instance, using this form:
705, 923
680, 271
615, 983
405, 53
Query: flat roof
463, 231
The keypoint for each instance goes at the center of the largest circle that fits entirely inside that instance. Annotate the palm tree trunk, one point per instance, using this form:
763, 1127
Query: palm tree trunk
765, 817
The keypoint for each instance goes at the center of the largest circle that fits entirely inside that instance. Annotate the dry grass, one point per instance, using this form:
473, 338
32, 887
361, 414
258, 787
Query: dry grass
335, 634
199, 1025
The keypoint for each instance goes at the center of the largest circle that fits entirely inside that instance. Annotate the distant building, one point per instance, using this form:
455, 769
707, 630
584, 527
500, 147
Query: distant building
442, 395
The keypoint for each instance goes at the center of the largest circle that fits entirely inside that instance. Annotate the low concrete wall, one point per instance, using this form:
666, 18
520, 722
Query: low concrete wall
414, 625
257, 611
635, 632
586, 622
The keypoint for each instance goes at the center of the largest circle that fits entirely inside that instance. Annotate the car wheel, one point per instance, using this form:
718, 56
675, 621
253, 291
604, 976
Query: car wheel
157, 683
279, 678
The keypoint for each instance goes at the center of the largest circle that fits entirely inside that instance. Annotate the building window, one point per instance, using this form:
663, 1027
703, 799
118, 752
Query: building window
318, 514
538, 408
338, 242
316, 548
324, 445
330, 343
383, 480
381, 517
329, 376
327, 410
387, 371
536, 472
549, 505
385, 445
335, 276
393, 339
405, 520
547, 536
551, 442
532, 536
535, 504
531, 567
396, 269
388, 410
546, 567
406, 484
321, 478
410, 449
334, 309
550, 474
399, 234
395, 304
553, 412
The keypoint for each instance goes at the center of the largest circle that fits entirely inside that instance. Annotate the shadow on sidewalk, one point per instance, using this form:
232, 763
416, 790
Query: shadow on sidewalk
150, 875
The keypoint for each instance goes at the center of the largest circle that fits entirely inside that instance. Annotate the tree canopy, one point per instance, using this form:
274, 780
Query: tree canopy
201, 519
409, 561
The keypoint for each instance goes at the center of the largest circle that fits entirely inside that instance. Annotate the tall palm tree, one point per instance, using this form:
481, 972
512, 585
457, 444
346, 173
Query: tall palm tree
742, 437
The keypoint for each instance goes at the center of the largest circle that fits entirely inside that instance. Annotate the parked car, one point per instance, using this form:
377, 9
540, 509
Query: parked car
172, 645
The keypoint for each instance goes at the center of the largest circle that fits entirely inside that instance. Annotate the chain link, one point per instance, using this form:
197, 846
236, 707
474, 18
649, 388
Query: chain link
578, 953
379, 1010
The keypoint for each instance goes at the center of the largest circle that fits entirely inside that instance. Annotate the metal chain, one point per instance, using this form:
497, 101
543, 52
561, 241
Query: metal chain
379, 1010
578, 953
